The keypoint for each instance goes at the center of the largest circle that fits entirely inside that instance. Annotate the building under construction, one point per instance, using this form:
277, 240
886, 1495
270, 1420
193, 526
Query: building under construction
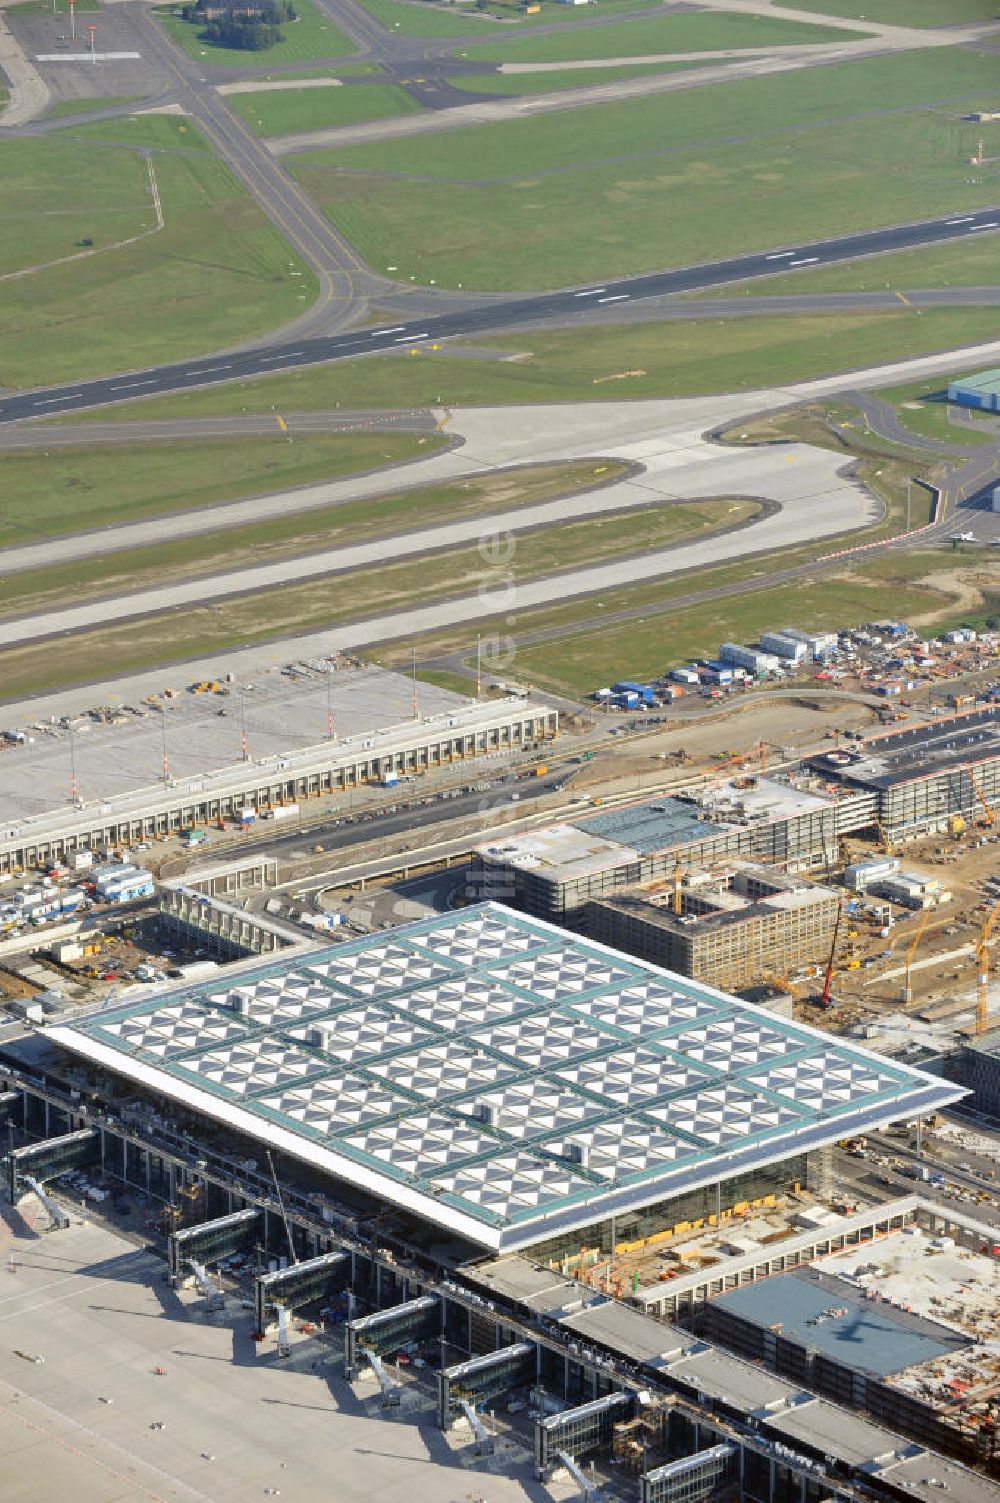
932, 777
926, 776
978, 1067
727, 926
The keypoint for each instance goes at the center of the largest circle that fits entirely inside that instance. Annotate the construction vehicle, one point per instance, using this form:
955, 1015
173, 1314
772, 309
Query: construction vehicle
980, 795
911, 951
983, 969
884, 838
677, 902
825, 1000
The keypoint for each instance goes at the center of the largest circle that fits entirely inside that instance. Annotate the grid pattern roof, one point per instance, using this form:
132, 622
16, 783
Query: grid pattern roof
497, 1075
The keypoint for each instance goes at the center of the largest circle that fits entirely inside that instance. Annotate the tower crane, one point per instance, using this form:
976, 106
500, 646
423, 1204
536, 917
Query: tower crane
980, 795
911, 950
983, 968
677, 901
825, 999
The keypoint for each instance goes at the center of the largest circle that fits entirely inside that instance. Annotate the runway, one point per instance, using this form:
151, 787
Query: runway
811, 499
570, 307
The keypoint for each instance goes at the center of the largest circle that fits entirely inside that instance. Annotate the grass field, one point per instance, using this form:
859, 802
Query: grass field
84, 104
309, 607
412, 18
907, 12
551, 83
72, 490
678, 178
313, 35
663, 360
298, 533
597, 654
281, 111
922, 408
218, 273
708, 32
55, 193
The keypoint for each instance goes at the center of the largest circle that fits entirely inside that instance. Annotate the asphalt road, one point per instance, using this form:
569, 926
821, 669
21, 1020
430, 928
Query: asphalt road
570, 306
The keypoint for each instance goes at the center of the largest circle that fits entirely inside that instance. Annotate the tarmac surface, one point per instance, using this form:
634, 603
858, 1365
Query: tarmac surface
813, 500
223, 1421
197, 733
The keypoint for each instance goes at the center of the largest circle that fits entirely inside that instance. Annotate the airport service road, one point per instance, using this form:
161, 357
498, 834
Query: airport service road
568, 306
813, 500
237, 1424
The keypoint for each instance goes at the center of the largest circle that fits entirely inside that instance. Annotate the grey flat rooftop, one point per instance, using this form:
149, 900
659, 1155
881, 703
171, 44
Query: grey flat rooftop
280, 715
903, 756
869, 1336
652, 826
498, 1076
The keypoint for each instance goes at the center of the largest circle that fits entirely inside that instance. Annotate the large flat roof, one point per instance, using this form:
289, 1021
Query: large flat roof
827, 1315
502, 1078
593, 843
938, 746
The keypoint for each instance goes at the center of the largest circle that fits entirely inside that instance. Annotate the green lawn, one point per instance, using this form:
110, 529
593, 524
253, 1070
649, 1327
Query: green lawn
551, 83
617, 189
218, 273
83, 105
413, 18
313, 35
596, 654
708, 32
71, 490
662, 360
907, 12
56, 193
282, 111
299, 533
923, 409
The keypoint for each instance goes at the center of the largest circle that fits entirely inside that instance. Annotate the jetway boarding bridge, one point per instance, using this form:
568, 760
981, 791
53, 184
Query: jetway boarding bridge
213, 1241
484, 1378
574, 1432
47, 1160
388, 1330
300, 1284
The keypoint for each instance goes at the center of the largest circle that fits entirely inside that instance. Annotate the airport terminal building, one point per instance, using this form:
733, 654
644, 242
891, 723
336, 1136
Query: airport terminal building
492, 1083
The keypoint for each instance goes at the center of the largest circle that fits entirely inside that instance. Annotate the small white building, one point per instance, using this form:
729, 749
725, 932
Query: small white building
749, 657
784, 646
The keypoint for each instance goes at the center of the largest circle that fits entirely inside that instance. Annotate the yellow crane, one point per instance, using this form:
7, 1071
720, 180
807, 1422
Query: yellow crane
911, 951
677, 902
983, 968
980, 795
884, 838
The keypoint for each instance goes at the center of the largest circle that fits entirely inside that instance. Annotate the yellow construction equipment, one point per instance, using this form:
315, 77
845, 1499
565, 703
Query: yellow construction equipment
883, 837
983, 969
677, 903
980, 795
911, 951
